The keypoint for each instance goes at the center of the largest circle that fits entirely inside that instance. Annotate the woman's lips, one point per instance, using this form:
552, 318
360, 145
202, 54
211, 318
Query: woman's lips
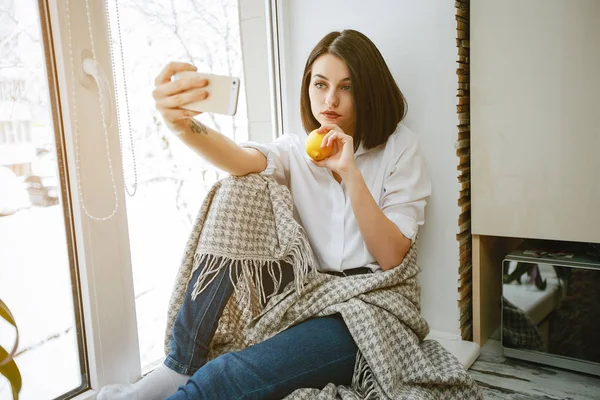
331, 115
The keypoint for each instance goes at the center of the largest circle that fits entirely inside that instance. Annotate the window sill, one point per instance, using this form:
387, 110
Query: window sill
466, 352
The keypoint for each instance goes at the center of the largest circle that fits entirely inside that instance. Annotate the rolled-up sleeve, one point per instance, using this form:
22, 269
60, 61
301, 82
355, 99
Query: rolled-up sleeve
277, 153
405, 191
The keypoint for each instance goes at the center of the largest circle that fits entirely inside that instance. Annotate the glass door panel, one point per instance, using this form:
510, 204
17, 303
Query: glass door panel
171, 180
38, 270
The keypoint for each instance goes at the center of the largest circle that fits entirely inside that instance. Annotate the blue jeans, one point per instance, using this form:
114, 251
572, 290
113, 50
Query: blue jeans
309, 355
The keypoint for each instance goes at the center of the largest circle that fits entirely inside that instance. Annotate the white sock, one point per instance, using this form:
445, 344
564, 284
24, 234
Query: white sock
157, 385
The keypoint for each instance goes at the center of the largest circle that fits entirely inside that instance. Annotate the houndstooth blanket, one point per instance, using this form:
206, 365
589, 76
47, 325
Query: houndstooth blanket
249, 221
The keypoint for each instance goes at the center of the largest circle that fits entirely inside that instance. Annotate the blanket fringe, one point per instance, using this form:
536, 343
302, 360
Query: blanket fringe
247, 275
363, 380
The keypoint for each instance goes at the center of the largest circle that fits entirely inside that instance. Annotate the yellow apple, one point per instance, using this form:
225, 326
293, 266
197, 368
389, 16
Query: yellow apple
313, 146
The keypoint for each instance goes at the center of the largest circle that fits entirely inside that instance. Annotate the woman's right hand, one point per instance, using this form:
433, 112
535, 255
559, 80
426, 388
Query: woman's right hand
170, 95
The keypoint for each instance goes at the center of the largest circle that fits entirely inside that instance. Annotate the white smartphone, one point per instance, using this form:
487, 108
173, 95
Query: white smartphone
223, 92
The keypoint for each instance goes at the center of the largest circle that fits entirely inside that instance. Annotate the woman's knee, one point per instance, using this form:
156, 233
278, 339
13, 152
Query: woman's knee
222, 377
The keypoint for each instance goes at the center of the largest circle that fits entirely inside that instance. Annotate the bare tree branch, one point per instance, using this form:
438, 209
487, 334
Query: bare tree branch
177, 34
204, 16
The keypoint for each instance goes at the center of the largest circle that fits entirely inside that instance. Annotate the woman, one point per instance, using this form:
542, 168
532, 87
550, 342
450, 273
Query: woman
360, 207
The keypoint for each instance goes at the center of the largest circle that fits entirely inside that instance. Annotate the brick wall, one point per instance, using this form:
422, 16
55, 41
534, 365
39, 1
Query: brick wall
464, 169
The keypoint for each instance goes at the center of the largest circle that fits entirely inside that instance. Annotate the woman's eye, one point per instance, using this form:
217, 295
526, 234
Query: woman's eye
347, 88
319, 85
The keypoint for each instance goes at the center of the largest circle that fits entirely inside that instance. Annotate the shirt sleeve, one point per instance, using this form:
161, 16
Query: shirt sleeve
405, 190
278, 157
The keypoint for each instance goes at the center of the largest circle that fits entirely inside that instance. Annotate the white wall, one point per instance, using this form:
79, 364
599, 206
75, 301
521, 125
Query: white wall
417, 39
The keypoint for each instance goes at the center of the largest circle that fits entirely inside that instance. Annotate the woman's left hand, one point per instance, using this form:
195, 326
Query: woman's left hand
342, 159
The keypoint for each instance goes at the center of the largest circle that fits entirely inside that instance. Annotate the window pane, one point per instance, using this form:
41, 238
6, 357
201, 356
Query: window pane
36, 264
172, 180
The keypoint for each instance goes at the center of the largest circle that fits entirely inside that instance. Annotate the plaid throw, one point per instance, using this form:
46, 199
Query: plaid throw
248, 221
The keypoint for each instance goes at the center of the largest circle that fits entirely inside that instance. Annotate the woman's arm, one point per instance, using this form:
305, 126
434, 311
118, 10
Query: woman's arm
221, 151
211, 145
383, 238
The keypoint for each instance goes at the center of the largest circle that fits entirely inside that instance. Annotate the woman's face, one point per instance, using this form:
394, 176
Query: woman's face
330, 93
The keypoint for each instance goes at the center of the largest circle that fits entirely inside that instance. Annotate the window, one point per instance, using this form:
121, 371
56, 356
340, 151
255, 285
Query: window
87, 269
38, 264
171, 180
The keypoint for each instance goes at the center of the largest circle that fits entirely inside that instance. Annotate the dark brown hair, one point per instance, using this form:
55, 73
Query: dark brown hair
378, 102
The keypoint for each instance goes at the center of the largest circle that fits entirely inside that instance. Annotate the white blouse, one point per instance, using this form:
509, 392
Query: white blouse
395, 174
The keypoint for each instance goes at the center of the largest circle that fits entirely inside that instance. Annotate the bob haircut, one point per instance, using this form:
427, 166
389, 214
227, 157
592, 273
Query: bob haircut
378, 102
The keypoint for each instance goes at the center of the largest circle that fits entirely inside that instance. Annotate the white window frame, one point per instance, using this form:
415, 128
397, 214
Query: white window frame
102, 247
261, 52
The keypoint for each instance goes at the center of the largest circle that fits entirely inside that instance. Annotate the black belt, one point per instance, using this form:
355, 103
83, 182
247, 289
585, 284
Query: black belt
350, 272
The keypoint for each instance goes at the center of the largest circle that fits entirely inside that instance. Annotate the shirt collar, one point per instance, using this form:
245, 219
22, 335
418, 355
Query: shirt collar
362, 150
